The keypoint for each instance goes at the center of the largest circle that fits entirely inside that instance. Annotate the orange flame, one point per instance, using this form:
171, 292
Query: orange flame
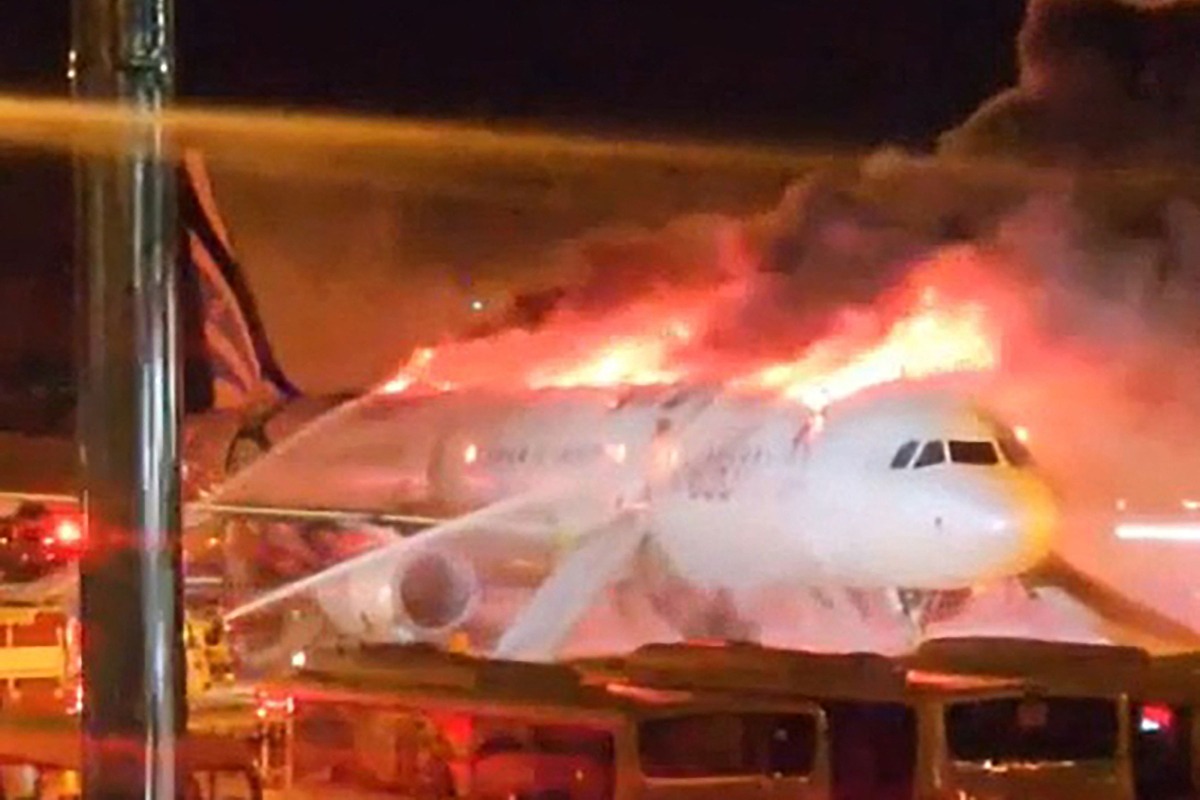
932, 341
926, 328
627, 361
637, 347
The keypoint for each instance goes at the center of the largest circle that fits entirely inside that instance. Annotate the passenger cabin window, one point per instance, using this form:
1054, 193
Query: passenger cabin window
932, 453
711, 745
1033, 730
905, 455
981, 453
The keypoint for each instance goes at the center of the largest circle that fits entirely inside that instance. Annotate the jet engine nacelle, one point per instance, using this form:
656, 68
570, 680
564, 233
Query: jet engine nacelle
426, 596
435, 592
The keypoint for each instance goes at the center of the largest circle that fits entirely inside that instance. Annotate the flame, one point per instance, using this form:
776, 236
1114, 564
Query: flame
931, 342
935, 323
637, 347
422, 357
629, 361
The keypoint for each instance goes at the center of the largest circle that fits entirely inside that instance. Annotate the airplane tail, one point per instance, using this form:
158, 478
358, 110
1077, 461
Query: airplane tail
229, 362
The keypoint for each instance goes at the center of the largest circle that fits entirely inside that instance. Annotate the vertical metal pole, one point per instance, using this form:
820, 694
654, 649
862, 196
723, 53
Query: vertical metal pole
134, 708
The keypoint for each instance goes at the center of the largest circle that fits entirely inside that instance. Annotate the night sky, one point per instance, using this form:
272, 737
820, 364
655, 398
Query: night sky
870, 70
861, 72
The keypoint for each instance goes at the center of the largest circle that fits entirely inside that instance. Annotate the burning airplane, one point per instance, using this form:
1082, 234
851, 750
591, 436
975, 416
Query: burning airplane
756, 444
628, 456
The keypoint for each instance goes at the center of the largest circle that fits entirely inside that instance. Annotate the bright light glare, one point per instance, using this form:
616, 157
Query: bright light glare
299, 659
1159, 531
1022, 434
68, 531
471, 454
1191, 505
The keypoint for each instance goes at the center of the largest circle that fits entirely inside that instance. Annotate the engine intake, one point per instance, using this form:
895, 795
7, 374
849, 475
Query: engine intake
435, 591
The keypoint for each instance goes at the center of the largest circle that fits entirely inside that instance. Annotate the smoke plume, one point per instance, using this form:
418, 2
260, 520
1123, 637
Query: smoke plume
1068, 207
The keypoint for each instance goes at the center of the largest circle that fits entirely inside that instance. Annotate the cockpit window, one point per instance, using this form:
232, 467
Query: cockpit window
932, 453
1014, 452
982, 453
905, 454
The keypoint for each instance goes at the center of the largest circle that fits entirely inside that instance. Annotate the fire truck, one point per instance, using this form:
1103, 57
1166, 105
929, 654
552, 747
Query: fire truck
38, 658
39, 637
37, 539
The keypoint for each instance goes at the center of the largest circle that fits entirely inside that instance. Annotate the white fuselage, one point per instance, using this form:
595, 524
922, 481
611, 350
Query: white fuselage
736, 491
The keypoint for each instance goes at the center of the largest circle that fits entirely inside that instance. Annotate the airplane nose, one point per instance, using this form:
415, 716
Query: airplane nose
1012, 519
1039, 515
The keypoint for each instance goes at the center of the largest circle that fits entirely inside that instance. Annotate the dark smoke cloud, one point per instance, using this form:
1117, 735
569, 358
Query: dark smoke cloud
1100, 80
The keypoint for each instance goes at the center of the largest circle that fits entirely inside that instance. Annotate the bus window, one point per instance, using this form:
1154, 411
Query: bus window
572, 740
499, 743
1032, 730
521, 759
873, 749
708, 745
692, 746
786, 743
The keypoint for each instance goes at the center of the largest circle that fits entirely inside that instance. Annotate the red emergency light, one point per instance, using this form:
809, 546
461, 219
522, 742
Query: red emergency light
68, 531
1156, 718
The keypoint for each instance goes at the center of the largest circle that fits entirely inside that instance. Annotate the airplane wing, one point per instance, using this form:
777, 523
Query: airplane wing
1057, 602
517, 516
197, 513
1123, 618
602, 557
